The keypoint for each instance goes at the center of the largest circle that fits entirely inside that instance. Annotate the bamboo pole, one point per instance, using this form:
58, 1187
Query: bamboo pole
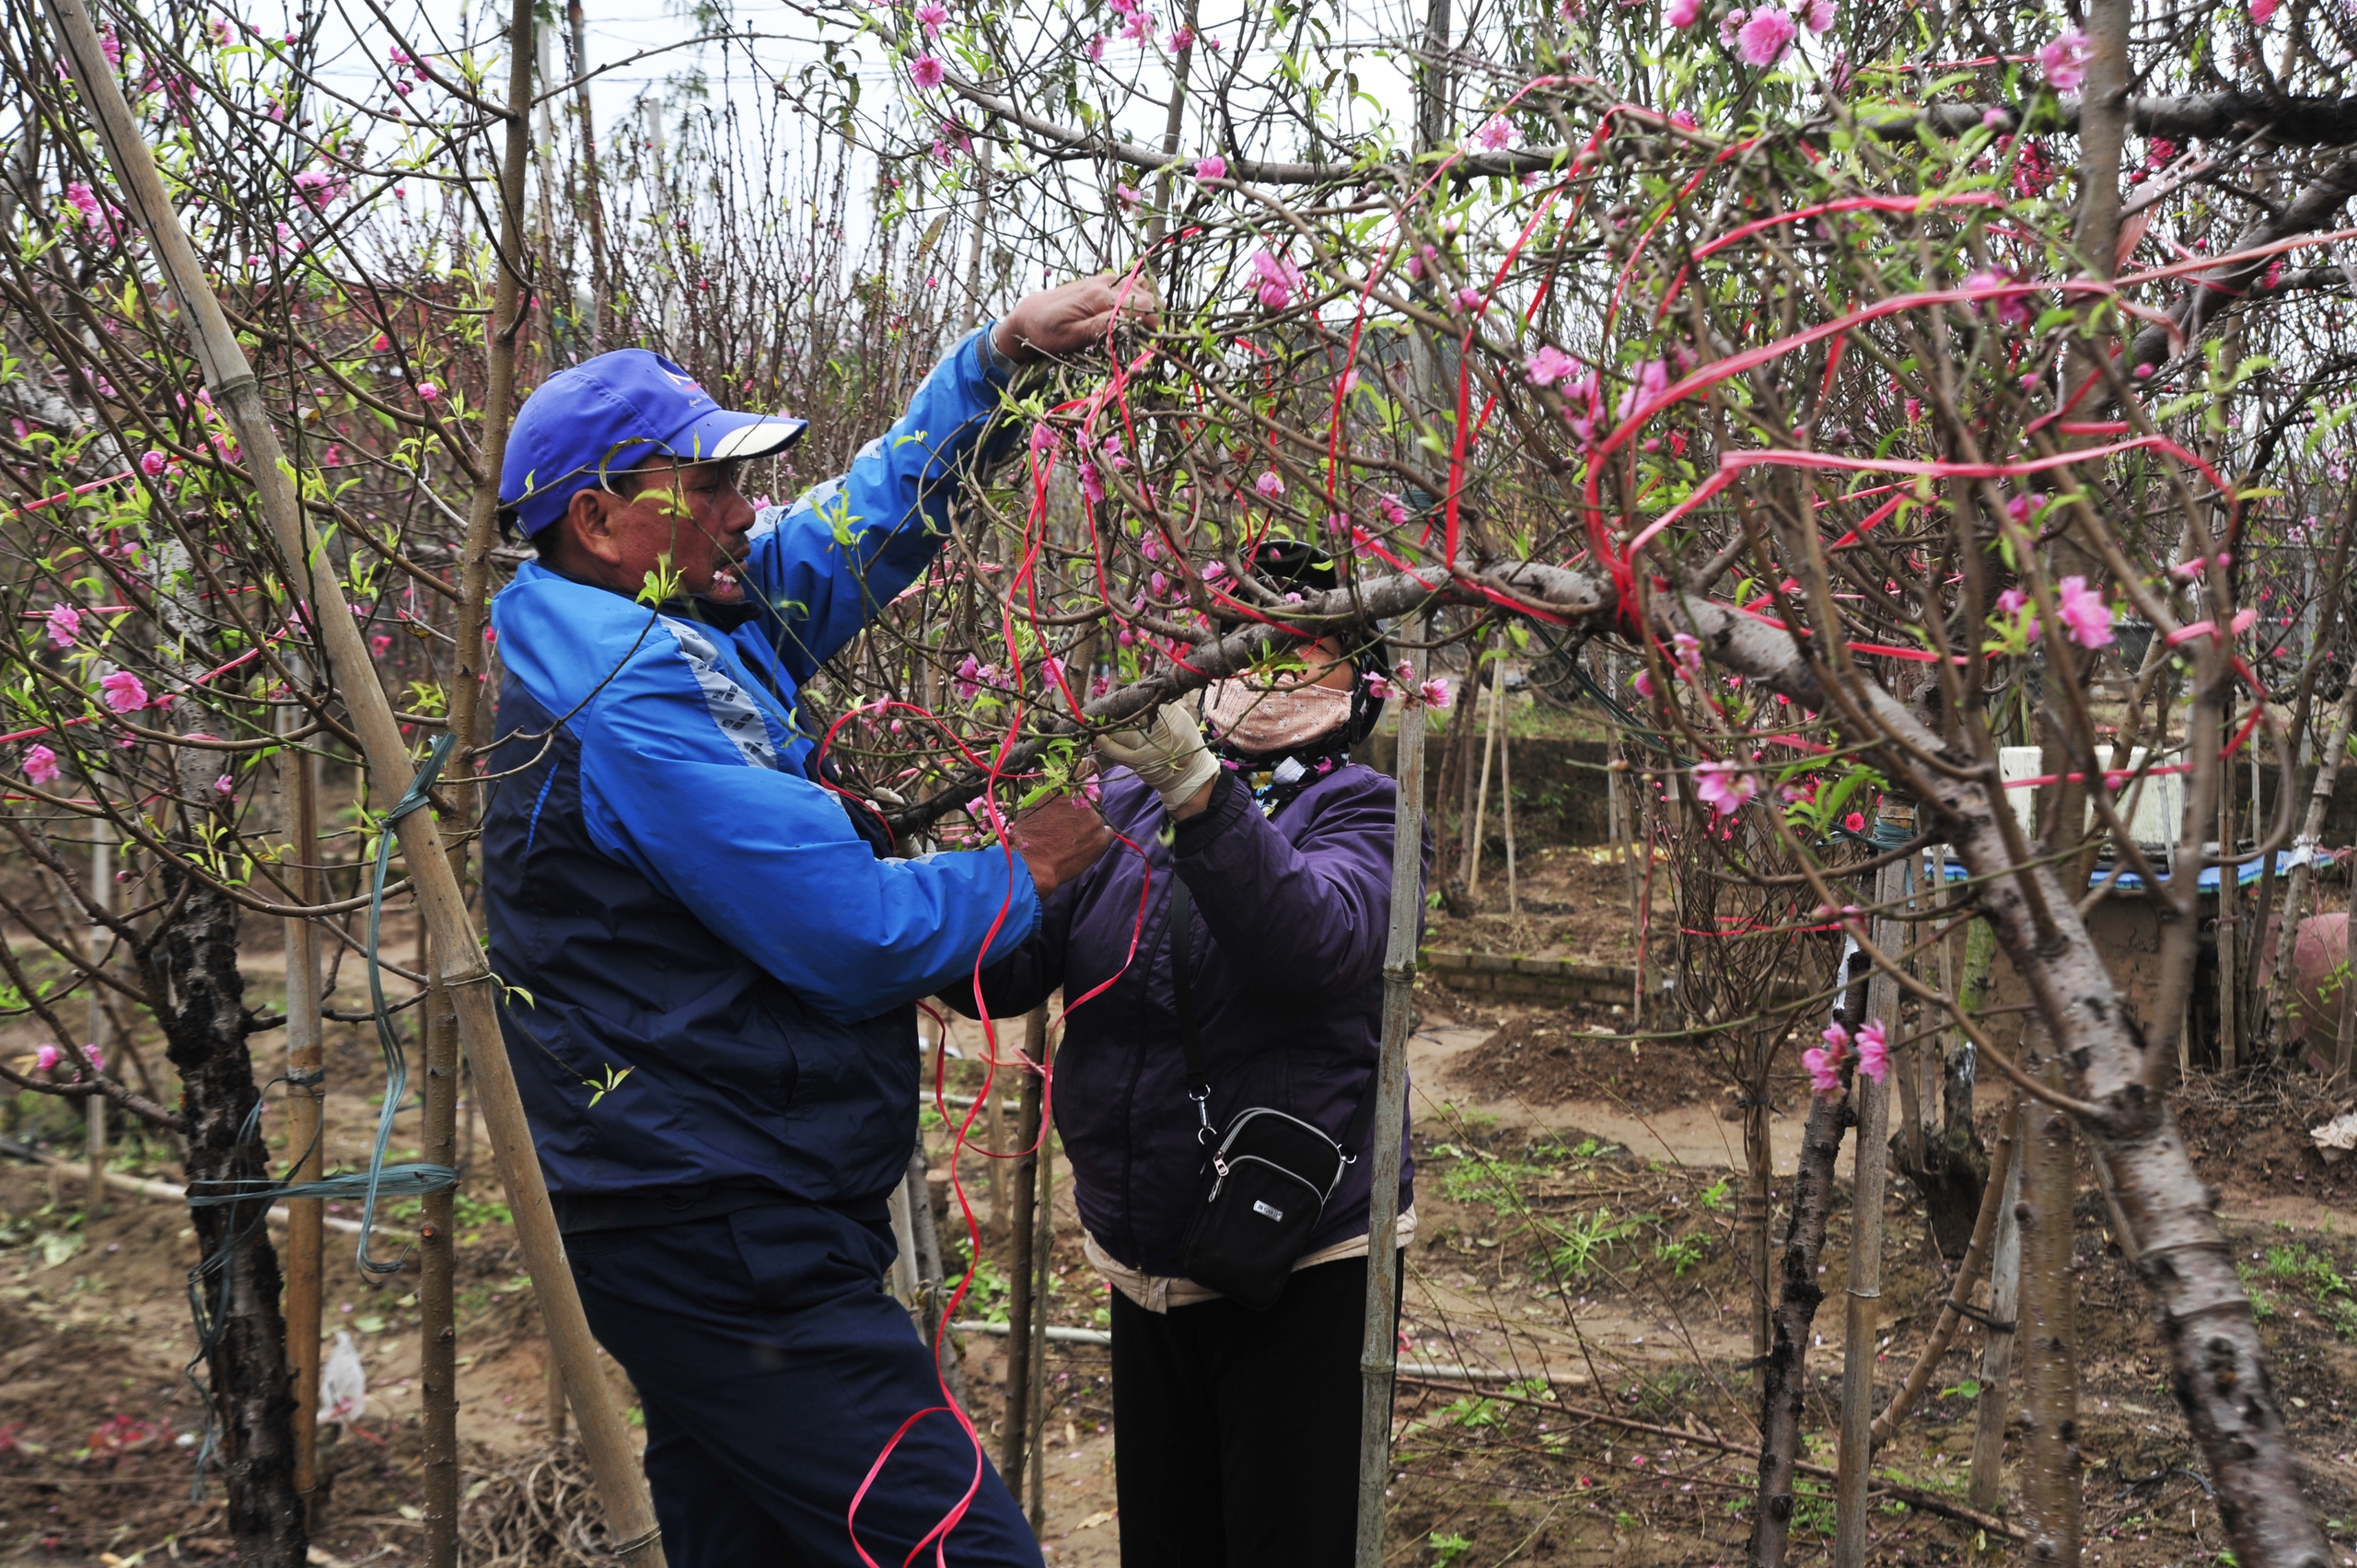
437, 1357
1852, 1470
1380, 1345
1013, 1449
458, 954
306, 1102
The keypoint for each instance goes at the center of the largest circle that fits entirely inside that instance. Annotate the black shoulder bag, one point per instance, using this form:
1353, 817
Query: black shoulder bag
1270, 1174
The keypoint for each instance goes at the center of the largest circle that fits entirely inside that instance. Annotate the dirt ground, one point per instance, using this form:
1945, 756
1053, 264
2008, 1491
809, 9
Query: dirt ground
1576, 1248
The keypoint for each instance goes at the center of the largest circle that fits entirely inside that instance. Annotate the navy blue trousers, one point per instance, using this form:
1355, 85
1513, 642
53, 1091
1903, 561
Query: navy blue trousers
773, 1370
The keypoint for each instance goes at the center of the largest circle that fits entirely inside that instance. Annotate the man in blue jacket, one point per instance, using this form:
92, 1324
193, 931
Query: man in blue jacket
711, 958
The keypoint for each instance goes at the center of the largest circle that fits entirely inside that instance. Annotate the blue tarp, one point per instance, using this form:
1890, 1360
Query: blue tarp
2245, 874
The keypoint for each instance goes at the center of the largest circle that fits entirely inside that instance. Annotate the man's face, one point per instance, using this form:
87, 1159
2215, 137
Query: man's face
687, 514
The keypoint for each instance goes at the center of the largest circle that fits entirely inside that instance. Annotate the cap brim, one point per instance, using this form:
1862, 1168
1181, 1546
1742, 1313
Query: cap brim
726, 437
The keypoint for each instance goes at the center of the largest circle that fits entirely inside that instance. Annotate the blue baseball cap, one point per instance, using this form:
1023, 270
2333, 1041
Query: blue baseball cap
612, 413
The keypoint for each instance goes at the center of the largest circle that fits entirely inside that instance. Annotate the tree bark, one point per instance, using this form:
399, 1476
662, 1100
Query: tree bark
1783, 1383
2221, 1376
1753, 1214
2316, 207
253, 1401
437, 1352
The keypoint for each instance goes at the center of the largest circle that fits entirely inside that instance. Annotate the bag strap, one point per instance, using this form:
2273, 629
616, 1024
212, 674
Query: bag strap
1190, 1043
1199, 1084
1362, 1119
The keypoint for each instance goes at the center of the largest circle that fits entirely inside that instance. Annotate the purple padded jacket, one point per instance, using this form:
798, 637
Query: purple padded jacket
1290, 917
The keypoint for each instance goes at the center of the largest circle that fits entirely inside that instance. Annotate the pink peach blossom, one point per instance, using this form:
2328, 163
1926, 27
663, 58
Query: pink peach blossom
1874, 1050
2085, 613
2063, 58
1764, 38
123, 692
1723, 787
1549, 366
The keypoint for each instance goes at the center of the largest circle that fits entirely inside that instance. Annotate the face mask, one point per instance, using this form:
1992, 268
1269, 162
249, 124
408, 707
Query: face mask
1256, 720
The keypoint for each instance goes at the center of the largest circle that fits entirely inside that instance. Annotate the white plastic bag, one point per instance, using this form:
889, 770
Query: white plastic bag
2336, 1137
343, 1382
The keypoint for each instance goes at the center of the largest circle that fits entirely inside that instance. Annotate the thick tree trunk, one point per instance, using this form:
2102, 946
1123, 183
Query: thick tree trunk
1783, 1383
2219, 1368
253, 1399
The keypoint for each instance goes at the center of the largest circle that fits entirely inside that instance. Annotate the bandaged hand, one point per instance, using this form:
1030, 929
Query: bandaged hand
1169, 754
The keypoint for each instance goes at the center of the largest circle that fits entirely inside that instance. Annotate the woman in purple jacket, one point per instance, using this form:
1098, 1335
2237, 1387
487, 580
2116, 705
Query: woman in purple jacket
1237, 1431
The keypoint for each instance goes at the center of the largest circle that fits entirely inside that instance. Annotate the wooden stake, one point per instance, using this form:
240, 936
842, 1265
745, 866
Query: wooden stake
1873, 1099
904, 1244
1022, 1236
1481, 794
2052, 1501
95, 1107
1988, 1486
613, 1460
306, 1100
1505, 794
2229, 911
1044, 1268
1379, 1347
995, 1146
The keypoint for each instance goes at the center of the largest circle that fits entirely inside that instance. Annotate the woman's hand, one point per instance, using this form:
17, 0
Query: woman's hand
1169, 755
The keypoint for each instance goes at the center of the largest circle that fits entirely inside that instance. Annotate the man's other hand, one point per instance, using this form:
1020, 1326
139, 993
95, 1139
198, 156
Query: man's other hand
1072, 316
1059, 839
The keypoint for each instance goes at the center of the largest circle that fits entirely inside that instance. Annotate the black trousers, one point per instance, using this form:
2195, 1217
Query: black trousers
1236, 1433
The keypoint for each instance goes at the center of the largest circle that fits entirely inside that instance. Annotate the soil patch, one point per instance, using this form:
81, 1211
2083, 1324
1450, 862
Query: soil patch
1557, 1055
2248, 1133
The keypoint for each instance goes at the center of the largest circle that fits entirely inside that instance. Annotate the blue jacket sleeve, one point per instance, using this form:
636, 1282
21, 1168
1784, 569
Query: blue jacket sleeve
845, 548
1014, 984
1299, 919
768, 860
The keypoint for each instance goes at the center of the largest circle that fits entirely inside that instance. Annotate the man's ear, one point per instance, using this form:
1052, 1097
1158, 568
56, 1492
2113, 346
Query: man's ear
587, 524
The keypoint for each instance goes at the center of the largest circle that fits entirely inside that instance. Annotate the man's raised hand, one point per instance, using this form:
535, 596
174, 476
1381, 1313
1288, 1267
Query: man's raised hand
1072, 316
